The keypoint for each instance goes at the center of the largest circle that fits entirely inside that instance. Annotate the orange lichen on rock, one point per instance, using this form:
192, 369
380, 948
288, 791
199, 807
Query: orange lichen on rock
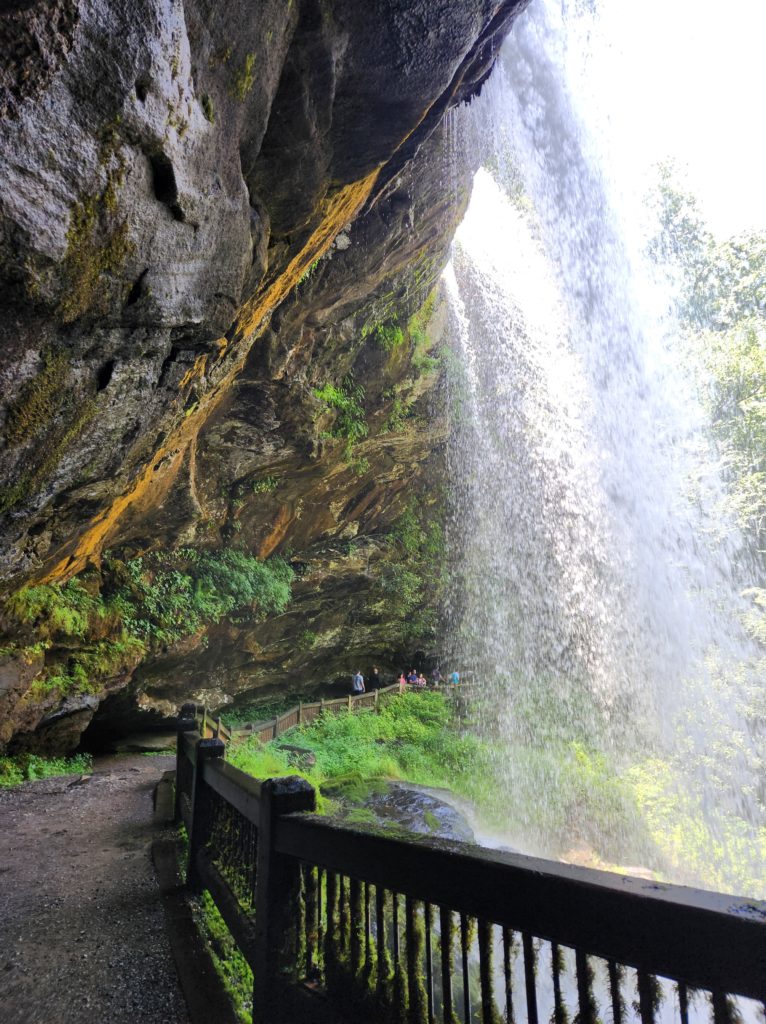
156, 478
337, 213
194, 372
277, 533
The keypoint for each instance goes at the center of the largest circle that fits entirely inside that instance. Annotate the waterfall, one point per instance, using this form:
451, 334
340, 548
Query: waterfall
595, 602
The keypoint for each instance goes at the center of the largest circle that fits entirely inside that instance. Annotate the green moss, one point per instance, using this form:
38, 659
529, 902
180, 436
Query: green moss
208, 109
48, 456
396, 418
230, 965
389, 336
244, 79
87, 259
412, 575
40, 399
308, 273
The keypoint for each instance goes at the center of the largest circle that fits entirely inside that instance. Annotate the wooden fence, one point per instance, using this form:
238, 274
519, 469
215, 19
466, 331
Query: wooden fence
303, 714
402, 927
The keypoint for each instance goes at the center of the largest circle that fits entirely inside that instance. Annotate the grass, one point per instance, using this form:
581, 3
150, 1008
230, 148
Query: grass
555, 796
413, 738
28, 767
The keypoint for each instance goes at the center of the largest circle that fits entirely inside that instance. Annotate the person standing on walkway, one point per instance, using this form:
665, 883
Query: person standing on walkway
357, 682
455, 678
374, 678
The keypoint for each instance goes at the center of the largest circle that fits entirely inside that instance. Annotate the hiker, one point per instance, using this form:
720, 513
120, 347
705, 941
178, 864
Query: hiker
421, 681
375, 678
357, 682
402, 680
436, 677
412, 678
455, 678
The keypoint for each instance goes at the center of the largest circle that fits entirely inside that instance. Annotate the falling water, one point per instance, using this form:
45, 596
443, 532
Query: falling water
591, 606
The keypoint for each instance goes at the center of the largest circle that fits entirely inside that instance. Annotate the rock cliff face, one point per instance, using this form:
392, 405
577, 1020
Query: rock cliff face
219, 229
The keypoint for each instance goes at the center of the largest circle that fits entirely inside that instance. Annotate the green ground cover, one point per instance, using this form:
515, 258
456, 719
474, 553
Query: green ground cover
28, 767
560, 798
412, 737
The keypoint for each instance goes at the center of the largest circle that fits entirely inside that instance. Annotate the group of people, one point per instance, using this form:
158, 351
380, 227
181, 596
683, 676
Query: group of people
412, 678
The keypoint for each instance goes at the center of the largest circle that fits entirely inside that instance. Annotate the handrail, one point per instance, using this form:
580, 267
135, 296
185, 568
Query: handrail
301, 710
345, 902
705, 939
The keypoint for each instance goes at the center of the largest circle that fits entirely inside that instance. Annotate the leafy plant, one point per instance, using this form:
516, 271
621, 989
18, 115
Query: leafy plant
389, 336
350, 422
265, 485
26, 767
143, 604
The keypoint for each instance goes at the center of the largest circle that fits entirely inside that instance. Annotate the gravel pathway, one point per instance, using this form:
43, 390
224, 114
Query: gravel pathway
82, 933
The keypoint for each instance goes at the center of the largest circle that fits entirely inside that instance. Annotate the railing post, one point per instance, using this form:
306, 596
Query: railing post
186, 723
375, 698
350, 703
202, 810
277, 897
300, 711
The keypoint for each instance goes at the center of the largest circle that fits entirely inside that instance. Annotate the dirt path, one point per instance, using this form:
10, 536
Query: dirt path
82, 934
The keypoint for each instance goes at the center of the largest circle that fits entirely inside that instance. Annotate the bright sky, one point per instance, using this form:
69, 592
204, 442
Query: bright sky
687, 79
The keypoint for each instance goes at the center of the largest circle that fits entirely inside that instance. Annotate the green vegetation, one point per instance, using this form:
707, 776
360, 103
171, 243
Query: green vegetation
389, 336
165, 597
350, 421
244, 79
308, 639
413, 574
396, 418
26, 767
208, 108
423, 362
417, 738
412, 737
105, 625
40, 398
308, 273
266, 485
230, 965
87, 259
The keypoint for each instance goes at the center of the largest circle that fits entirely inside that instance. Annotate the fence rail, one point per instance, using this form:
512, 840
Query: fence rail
409, 928
304, 714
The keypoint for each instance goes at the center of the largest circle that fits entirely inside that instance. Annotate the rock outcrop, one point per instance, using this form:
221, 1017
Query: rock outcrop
216, 228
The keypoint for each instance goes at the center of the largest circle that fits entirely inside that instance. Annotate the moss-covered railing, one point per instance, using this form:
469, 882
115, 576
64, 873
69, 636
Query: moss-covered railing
393, 926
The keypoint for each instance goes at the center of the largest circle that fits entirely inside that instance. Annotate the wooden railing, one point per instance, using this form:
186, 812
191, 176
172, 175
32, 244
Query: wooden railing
304, 714
400, 927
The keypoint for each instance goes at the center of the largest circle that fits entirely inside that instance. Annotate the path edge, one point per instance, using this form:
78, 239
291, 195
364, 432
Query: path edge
206, 998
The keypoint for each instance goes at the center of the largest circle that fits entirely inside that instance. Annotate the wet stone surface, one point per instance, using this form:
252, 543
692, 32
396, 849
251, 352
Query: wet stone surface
82, 934
407, 806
